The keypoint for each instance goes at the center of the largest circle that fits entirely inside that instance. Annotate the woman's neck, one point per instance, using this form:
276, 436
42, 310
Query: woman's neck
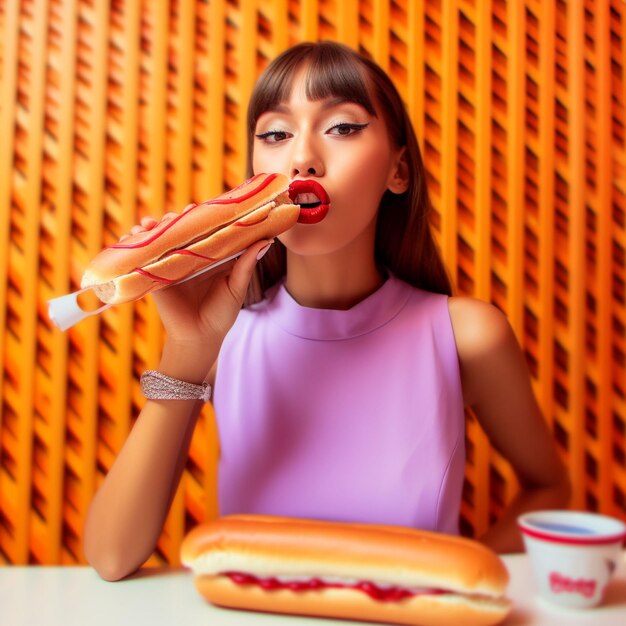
331, 281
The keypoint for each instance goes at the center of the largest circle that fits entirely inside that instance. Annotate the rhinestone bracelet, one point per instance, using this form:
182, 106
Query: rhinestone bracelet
157, 386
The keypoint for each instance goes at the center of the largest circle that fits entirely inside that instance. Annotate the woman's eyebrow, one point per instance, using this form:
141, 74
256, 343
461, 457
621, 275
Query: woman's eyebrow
330, 103
278, 108
327, 103
339, 100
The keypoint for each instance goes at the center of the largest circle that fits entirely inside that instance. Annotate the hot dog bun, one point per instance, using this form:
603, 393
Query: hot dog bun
351, 571
200, 236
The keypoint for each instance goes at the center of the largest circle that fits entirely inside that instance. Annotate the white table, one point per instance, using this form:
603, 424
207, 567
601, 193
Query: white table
76, 596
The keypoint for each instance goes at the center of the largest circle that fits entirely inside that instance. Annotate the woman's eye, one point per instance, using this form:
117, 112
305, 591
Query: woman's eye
273, 136
345, 129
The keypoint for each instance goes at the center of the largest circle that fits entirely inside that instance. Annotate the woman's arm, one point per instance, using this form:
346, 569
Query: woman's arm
127, 513
496, 385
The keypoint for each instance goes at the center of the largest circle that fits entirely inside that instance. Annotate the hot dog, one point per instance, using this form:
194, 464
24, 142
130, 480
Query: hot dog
200, 236
346, 571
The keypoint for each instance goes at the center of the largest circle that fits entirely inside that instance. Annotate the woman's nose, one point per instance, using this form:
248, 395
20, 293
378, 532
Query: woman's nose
306, 160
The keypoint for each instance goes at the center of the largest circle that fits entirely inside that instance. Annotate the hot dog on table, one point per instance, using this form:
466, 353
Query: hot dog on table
351, 571
200, 236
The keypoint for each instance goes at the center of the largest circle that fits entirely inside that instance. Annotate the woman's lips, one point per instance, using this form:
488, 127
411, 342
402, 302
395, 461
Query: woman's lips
312, 198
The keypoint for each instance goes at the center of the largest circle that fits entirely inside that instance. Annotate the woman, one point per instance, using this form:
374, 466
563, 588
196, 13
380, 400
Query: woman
339, 390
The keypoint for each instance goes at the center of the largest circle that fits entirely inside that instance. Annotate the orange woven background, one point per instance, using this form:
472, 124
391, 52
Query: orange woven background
113, 110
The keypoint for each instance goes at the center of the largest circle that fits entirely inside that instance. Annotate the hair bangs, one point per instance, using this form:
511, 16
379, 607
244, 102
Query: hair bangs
330, 72
330, 77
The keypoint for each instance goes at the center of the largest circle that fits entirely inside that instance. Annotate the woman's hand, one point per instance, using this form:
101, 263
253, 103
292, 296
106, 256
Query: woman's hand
200, 311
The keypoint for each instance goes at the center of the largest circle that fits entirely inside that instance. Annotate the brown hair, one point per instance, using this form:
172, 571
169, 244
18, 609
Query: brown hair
404, 240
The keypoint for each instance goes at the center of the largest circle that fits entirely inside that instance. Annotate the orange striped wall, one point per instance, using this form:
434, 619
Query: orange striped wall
113, 110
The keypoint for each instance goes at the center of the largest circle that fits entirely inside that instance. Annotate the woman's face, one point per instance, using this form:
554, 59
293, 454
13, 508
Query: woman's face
339, 145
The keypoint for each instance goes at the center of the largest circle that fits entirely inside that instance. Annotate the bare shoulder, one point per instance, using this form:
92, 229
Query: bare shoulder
486, 345
479, 327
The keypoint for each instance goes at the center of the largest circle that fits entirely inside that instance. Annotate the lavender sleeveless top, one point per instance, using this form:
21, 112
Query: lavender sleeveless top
350, 415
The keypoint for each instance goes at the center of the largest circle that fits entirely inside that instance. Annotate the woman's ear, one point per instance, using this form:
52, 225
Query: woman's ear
399, 175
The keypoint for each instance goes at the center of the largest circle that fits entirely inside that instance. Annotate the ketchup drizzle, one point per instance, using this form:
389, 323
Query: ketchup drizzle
187, 252
218, 200
154, 277
387, 594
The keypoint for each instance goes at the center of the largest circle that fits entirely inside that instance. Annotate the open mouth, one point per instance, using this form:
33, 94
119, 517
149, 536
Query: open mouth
307, 200
312, 198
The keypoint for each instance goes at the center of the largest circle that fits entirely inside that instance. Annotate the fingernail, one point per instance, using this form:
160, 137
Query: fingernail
263, 251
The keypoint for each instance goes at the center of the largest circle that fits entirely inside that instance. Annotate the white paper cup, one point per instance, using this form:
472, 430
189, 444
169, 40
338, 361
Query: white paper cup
573, 554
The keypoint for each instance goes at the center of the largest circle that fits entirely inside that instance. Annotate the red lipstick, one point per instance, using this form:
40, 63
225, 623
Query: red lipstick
313, 200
